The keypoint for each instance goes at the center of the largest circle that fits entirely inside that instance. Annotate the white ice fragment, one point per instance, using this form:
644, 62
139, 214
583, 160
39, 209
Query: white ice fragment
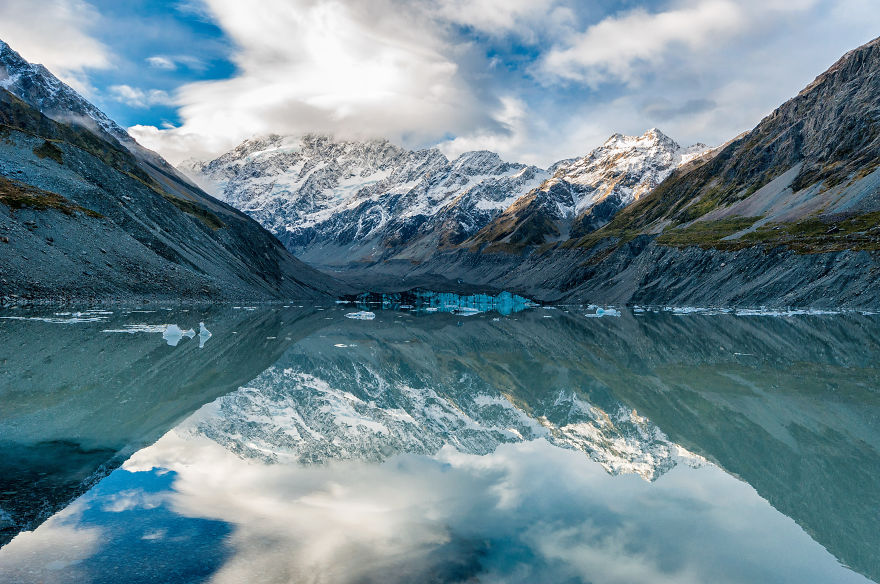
204, 335
361, 315
600, 312
173, 334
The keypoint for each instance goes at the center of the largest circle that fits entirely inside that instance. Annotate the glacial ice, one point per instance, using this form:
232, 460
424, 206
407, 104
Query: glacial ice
204, 335
600, 312
173, 334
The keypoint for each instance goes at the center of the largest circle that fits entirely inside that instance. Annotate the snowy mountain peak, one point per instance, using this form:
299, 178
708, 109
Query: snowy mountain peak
336, 201
37, 86
341, 203
585, 193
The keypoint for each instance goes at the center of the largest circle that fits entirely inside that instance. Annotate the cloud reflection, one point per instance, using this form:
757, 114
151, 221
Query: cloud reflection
529, 512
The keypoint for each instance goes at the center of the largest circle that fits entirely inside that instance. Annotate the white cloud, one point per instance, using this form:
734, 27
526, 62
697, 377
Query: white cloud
175, 62
617, 46
506, 138
323, 65
55, 33
140, 98
160, 62
500, 17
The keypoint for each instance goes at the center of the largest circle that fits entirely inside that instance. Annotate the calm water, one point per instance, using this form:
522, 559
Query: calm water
298, 445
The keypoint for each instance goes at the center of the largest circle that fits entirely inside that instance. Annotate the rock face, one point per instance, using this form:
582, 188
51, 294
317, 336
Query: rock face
816, 155
353, 204
88, 213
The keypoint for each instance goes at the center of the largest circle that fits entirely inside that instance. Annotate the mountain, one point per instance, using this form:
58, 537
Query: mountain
787, 214
361, 204
88, 213
339, 203
584, 194
806, 177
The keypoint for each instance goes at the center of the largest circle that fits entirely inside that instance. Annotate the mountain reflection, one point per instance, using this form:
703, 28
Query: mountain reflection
441, 448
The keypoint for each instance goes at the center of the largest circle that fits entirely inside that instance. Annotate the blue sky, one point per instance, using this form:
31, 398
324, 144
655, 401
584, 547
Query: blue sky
536, 80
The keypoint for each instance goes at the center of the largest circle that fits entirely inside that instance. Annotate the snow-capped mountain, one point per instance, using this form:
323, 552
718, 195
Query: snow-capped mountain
585, 193
345, 203
339, 202
38, 87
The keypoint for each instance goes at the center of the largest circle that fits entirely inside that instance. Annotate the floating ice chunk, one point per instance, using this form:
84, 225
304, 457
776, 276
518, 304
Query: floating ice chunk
600, 312
173, 334
466, 311
204, 335
361, 315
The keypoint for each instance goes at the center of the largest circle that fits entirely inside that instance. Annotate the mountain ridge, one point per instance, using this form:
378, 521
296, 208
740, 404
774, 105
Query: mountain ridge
107, 218
370, 201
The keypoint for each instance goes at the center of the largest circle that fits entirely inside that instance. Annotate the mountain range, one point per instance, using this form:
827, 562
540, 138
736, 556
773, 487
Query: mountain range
785, 214
361, 204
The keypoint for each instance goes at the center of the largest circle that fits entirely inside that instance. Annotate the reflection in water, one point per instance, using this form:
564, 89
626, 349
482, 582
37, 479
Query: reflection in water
544, 446
503, 303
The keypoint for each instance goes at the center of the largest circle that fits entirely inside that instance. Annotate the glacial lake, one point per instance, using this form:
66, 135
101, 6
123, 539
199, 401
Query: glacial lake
563, 445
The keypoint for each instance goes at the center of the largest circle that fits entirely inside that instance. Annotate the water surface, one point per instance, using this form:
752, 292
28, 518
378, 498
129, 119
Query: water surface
547, 445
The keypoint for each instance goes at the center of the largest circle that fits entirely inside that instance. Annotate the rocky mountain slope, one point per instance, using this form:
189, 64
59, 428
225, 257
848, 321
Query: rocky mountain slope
88, 213
359, 204
584, 194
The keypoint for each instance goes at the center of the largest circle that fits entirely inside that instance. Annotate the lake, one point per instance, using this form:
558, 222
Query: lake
447, 440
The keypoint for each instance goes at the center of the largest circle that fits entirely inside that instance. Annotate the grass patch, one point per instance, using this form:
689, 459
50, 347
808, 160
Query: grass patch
705, 233
813, 235
822, 234
19, 195
200, 213
49, 150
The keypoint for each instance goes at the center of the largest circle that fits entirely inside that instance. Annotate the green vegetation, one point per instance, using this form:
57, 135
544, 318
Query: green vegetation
821, 234
813, 235
705, 233
49, 150
190, 208
18, 195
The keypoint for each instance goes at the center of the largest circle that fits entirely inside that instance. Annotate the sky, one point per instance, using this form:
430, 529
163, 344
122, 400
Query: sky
534, 80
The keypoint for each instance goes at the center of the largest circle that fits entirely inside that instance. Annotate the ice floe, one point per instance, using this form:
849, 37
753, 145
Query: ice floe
361, 315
